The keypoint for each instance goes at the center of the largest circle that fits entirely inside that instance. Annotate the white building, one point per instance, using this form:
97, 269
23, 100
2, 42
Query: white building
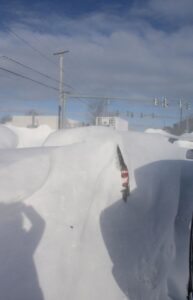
37, 120
112, 121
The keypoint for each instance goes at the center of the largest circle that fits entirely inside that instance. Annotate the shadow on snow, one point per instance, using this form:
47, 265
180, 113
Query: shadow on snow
18, 276
147, 238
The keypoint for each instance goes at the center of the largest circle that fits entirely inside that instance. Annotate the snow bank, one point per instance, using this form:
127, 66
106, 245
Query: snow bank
184, 144
80, 135
67, 183
160, 132
185, 141
22, 172
187, 136
65, 232
154, 130
31, 137
8, 139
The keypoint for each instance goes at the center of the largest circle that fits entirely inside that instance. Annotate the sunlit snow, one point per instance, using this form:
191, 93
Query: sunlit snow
66, 233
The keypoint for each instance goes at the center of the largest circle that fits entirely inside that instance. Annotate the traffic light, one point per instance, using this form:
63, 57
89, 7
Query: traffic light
156, 102
130, 114
187, 106
165, 103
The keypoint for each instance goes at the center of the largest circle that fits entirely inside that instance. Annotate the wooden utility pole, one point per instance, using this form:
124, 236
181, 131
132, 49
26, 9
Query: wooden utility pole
62, 96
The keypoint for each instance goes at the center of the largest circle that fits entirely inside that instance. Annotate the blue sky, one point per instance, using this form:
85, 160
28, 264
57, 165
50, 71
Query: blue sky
15, 9
164, 14
134, 49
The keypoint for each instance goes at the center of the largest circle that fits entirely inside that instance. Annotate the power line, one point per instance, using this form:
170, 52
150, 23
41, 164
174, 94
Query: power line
32, 69
32, 47
84, 101
22, 110
28, 78
28, 67
76, 96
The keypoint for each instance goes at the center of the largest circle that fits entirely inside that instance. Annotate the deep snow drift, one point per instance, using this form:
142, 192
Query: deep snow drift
65, 232
30, 137
8, 139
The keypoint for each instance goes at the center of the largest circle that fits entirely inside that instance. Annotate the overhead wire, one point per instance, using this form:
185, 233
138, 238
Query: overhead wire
32, 69
35, 49
28, 78
32, 47
106, 98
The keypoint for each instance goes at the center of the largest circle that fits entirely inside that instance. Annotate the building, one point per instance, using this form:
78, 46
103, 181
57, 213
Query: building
33, 121
112, 121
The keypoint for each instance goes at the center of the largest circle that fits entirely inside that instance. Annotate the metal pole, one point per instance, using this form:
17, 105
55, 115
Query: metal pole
33, 119
62, 90
106, 107
187, 124
164, 105
62, 98
181, 112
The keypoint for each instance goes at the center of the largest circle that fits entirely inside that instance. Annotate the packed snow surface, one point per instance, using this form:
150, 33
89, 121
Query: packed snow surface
66, 233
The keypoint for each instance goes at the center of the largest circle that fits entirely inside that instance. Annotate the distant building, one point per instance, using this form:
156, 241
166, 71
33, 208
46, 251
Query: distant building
112, 121
32, 121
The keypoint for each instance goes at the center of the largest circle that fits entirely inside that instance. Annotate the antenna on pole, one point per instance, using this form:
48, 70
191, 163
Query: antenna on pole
62, 96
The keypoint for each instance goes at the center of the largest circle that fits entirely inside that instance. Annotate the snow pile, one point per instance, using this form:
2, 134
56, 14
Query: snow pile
184, 144
64, 203
65, 232
185, 141
80, 135
7, 138
157, 131
31, 137
22, 173
187, 136
161, 132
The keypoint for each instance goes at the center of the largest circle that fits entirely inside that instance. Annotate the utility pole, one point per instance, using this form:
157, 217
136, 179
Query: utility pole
184, 106
181, 112
62, 96
106, 106
187, 124
164, 105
